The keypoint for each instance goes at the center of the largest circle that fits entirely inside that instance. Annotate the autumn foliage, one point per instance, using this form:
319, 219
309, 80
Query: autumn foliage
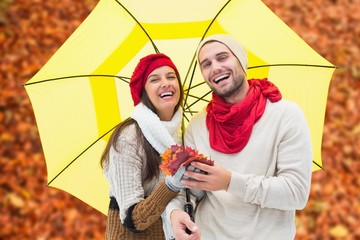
177, 156
31, 31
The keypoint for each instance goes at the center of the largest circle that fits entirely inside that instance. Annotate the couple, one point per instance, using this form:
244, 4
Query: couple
260, 144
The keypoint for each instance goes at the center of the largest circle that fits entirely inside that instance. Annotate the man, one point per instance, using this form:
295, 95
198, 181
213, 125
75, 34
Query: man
262, 151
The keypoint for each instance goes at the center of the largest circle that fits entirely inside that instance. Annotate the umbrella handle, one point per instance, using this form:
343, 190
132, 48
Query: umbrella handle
188, 208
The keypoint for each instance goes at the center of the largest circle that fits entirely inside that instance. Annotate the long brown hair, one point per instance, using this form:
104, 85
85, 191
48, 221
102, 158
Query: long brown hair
153, 158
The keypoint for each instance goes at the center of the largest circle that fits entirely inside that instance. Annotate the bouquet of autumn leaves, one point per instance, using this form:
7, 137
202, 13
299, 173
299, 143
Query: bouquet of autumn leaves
177, 156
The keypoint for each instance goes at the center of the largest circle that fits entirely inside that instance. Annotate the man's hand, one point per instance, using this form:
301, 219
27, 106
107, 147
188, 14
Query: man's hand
216, 177
180, 220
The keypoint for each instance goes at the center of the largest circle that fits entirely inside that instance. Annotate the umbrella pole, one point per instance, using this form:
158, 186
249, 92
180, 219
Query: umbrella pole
188, 208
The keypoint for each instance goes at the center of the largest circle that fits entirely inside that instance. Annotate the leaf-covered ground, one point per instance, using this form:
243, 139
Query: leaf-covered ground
31, 31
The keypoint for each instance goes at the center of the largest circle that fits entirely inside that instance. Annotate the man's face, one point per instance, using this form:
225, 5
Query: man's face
222, 70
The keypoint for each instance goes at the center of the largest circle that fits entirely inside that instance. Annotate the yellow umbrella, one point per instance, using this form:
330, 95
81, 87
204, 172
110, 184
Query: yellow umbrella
81, 93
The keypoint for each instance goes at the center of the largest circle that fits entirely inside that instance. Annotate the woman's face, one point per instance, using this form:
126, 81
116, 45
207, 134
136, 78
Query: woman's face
163, 90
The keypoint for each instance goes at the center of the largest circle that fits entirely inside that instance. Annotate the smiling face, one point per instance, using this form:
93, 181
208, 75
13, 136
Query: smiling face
222, 72
163, 89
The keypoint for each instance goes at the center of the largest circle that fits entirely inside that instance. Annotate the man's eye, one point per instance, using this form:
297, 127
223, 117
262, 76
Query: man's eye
205, 65
223, 58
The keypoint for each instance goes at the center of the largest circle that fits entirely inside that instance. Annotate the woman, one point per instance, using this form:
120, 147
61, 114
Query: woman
139, 192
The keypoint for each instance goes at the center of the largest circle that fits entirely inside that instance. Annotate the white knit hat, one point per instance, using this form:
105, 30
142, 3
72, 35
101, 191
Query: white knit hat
235, 47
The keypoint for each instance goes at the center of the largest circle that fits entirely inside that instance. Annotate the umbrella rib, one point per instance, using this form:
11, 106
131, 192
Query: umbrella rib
317, 164
125, 79
153, 44
207, 29
202, 98
191, 79
292, 65
212, 21
194, 57
189, 69
194, 86
79, 155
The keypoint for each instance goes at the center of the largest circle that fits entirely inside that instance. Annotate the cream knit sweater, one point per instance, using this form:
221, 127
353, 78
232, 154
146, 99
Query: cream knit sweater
270, 178
125, 168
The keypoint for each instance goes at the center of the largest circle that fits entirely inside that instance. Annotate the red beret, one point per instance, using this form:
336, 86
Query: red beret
145, 66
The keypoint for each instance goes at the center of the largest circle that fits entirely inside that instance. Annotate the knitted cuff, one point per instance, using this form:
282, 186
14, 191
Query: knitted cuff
171, 186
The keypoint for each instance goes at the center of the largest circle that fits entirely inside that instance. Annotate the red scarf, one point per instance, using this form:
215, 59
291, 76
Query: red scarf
230, 125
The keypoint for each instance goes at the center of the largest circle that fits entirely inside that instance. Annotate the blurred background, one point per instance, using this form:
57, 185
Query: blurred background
32, 30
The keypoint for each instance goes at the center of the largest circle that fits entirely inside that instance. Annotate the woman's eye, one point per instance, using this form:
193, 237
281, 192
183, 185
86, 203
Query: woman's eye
154, 80
171, 76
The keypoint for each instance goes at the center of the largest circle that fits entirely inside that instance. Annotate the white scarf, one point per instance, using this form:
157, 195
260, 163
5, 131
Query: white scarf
160, 134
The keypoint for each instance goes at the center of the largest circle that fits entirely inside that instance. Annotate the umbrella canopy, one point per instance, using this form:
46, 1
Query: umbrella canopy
82, 92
